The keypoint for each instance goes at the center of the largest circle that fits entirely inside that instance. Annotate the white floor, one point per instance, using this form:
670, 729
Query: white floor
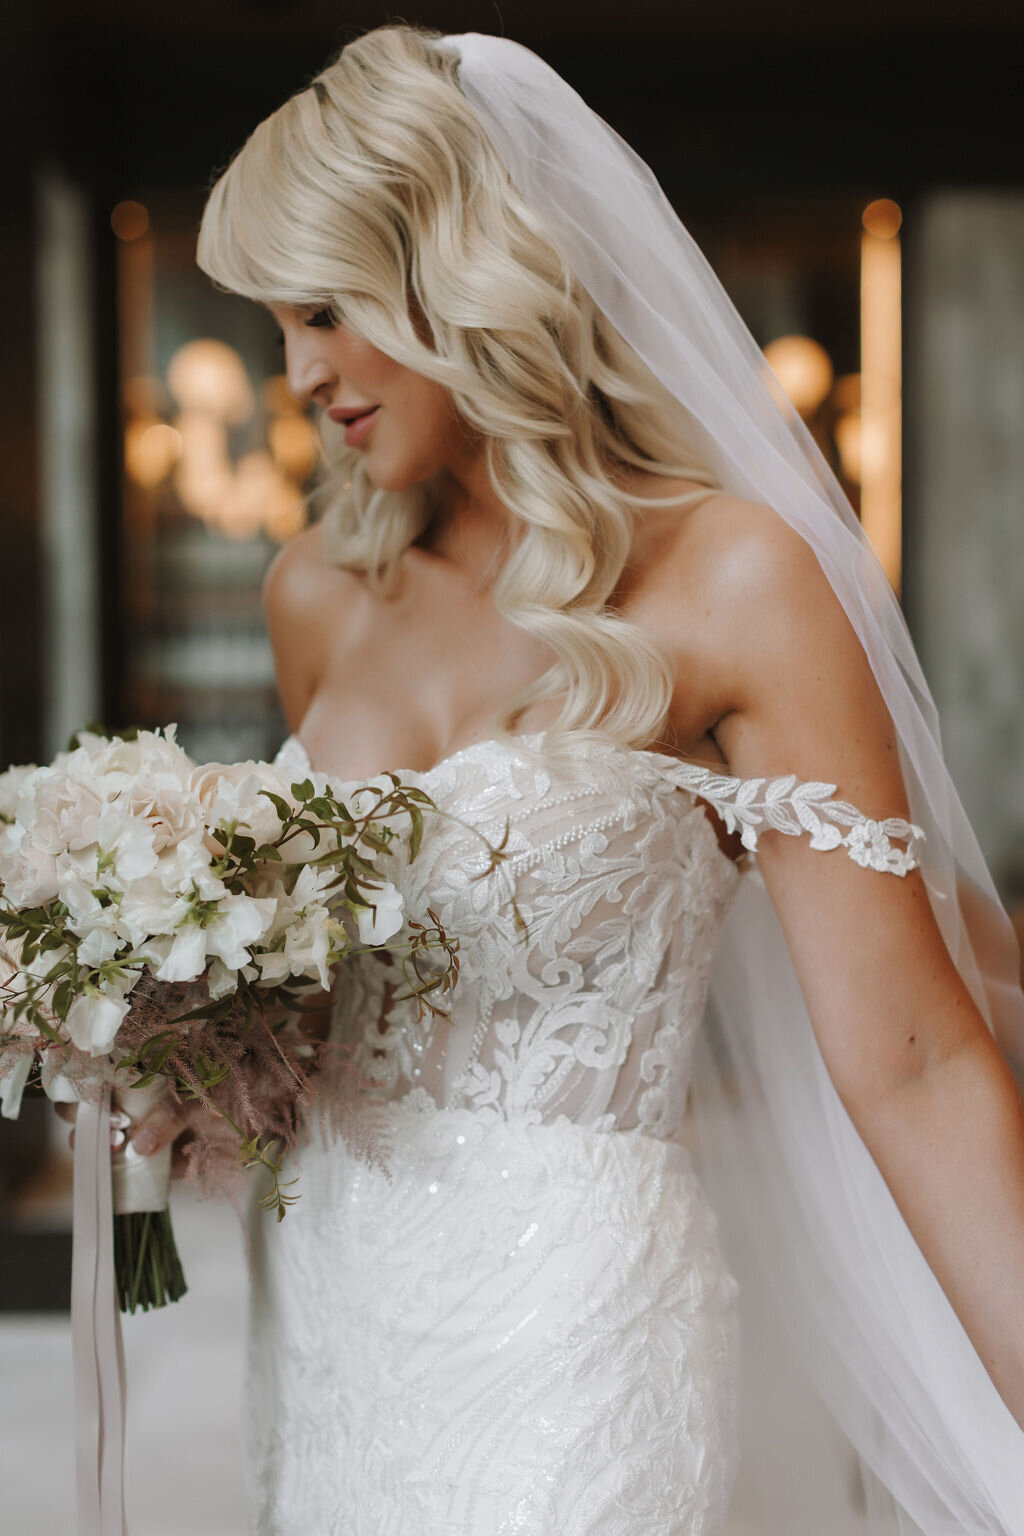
184, 1367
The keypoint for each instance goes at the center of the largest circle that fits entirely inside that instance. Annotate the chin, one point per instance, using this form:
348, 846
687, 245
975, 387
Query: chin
397, 477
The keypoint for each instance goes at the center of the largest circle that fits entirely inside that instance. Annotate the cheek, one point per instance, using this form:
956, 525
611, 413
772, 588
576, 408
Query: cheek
425, 413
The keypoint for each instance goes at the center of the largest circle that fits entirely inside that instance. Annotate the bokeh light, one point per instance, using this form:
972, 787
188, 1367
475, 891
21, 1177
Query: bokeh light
294, 444
803, 368
847, 432
277, 399
129, 220
208, 375
151, 450
882, 218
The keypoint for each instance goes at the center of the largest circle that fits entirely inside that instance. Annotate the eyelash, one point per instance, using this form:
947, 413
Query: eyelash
316, 321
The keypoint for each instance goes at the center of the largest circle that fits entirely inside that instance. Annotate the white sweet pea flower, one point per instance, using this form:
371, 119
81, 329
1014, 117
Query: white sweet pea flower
186, 956
57, 1085
99, 945
303, 918
77, 881
307, 892
187, 864
147, 909
307, 945
15, 1065
378, 924
240, 922
221, 980
362, 802
128, 839
93, 1021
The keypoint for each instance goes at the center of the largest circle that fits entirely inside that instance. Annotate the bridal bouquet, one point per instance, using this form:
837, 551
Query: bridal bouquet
161, 922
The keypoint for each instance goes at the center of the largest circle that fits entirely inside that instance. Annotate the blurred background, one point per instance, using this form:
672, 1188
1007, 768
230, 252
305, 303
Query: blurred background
854, 171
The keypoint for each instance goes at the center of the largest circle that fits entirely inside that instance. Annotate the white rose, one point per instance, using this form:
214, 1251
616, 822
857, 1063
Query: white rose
152, 755
232, 792
28, 874
11, 781
57, 811
148, 778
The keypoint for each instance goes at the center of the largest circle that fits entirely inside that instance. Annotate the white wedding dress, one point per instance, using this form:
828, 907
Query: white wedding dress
525, 1324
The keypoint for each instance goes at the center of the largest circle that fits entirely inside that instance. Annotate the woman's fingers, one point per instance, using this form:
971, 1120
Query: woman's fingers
162, 1125
118, 1122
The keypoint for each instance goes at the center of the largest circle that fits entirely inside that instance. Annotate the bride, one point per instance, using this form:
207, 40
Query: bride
734, 1117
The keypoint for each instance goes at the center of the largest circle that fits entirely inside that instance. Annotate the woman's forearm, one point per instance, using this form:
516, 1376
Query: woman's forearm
950, 1145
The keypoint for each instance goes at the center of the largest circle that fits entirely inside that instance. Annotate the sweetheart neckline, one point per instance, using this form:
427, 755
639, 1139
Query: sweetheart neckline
527, 738
737, 865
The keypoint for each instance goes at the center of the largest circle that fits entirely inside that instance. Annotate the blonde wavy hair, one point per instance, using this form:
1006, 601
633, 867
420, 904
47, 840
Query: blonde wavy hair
375, 193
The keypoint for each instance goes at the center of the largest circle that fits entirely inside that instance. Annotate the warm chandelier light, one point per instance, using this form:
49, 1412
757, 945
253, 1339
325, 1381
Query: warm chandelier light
212, 394
803, 368
881, 414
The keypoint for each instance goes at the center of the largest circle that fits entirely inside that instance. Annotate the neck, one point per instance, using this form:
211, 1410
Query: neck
473, 528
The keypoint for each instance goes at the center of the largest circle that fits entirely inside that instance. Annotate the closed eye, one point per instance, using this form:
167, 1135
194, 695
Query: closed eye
322, 317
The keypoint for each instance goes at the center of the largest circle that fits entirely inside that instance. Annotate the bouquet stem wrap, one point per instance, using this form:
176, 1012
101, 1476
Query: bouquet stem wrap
147, 1268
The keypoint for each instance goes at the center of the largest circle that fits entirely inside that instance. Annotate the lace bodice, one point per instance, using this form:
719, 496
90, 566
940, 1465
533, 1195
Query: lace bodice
590, 1017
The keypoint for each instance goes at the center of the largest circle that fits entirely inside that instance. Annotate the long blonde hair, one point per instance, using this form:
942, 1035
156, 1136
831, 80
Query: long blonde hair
376, 193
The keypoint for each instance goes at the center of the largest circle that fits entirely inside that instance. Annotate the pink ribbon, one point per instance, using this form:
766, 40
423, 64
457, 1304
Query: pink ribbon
96, 1346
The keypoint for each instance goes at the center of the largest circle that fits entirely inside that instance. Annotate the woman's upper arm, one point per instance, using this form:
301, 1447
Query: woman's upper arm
294, 606
883, 994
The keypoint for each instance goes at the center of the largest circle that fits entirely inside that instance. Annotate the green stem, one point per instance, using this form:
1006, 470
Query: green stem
146, 1262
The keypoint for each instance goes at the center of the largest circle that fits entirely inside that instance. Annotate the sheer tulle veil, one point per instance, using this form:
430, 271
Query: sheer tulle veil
838, 1302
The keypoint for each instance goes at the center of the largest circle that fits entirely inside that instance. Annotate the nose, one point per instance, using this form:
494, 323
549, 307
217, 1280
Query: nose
307, 368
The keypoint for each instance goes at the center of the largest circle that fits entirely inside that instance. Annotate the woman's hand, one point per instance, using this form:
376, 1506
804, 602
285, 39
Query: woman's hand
166, 1123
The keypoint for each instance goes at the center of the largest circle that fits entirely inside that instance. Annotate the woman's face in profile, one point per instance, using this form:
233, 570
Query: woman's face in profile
415, 430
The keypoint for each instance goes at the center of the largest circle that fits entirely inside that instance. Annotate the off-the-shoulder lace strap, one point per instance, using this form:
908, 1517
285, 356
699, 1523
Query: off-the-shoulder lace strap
792, 805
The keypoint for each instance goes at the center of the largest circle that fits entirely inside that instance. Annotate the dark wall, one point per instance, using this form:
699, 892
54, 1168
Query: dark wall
730, 102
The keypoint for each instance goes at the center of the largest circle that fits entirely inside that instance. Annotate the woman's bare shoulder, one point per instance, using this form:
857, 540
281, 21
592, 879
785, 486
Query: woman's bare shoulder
731, 582
298, 575
306, 602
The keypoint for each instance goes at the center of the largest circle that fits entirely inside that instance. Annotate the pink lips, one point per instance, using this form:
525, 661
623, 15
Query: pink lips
357, 425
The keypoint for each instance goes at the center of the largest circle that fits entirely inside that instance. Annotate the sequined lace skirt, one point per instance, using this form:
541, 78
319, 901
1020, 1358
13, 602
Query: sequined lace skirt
519, 1328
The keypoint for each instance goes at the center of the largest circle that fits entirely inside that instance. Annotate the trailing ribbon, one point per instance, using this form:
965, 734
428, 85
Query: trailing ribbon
97, 1349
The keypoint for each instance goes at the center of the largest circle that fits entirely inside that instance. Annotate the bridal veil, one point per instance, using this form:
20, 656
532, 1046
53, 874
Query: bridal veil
839, 1303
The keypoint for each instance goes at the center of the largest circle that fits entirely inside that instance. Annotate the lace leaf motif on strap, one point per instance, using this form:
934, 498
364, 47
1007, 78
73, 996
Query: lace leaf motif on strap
791, 805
